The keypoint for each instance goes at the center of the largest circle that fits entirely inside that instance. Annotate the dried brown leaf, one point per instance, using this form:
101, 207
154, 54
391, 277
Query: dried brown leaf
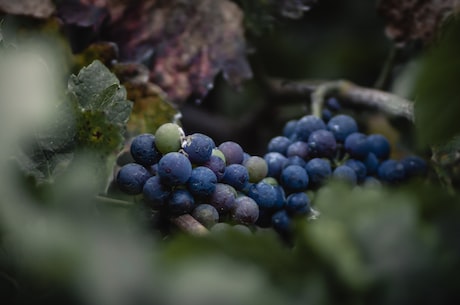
34, 8
414, 20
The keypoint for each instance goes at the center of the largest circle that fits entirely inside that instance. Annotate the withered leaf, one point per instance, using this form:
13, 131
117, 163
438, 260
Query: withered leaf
414, 20
34, 8
192, 41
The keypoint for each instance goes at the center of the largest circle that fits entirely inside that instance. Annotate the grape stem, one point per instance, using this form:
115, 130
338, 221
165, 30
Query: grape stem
189, 225
348, 92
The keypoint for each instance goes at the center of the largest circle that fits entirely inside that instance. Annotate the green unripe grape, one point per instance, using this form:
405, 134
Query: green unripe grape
271, 181
168, 138
257, 168
218, 153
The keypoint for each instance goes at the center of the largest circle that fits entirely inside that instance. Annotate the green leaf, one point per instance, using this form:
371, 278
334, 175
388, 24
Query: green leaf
436, 89
102, 108
91, 82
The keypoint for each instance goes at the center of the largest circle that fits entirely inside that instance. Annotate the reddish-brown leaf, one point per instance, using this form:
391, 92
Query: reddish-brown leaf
414, 20
192, 41
35, 8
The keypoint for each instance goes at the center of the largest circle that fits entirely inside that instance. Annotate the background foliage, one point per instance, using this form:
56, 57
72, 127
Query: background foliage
79, 78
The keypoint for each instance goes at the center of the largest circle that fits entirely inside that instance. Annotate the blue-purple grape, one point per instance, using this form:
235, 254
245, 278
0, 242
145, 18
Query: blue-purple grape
236, 175
223, 198
144, 151
299, 149
342, 126
245, 210
379, 145
202, 181
198, 148
346, 174
318, 170
181, 202
357, 145
217, 165
155, 193
294, 178
322, 144
279, 144
174, 169
306, 125
298, 203
132, 177
391, 171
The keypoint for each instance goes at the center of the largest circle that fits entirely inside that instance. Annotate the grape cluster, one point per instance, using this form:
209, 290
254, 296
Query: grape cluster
188, 174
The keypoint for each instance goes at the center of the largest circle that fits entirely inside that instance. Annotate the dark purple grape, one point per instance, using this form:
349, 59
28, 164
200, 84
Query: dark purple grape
223, 198
342, 126
143, 150
233, 152
294, 178
414, 166
358, 167
155, 193
322, 144
174, 169
357, 145
298, 203
180, 202
132, 177
198, 148
379, 145
217, 165
264, 194
391, 171
279, 144
245, 210
202, 182
346, 174
275, 162
299, 149
206, 214
318, 170
306, 125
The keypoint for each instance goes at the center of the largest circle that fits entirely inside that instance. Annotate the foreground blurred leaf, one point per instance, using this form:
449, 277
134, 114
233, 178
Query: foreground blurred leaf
437, 103
376, 245
408, 21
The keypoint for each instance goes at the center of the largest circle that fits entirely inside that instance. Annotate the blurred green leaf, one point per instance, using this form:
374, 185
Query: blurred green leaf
436, 89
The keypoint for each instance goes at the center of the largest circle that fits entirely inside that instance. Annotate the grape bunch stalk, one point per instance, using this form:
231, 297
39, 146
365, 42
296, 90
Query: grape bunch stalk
177, 174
